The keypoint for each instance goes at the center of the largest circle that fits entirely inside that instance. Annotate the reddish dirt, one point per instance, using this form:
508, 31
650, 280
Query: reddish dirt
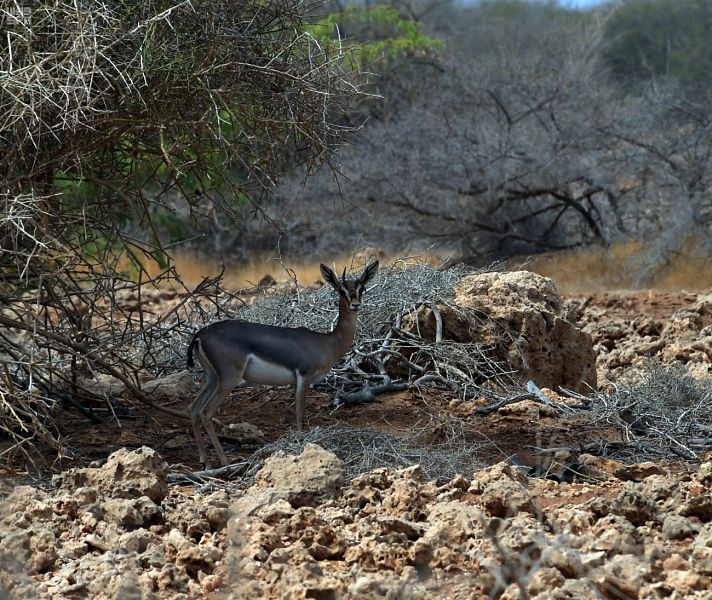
630, 304
498, 435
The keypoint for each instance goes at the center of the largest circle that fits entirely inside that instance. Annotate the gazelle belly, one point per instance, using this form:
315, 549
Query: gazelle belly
265, 372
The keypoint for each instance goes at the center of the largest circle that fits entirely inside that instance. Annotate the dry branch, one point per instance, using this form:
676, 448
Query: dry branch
662, 412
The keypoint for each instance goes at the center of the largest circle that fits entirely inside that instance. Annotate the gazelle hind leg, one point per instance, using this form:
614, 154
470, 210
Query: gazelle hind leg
206, 417
206, 403
207, 391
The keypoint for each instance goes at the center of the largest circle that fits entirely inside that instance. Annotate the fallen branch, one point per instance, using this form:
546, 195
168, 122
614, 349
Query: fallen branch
486, 410
198, 476
367, 393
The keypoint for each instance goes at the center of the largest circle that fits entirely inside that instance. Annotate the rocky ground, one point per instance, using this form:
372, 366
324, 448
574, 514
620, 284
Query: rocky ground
629, 327
302, 529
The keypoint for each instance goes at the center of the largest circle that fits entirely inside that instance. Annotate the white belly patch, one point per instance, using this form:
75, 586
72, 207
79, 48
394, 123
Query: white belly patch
265, 372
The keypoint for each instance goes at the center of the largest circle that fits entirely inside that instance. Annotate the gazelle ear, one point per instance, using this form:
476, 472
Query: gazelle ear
369, 273
329, 276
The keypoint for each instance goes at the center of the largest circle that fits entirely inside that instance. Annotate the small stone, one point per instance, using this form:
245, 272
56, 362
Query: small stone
304, 480
218, 517
702, 551
505, 498
638, 472
622, 576
566, 560
676, 527
43, 550
544, 581
614, 533
635, 505
597, 467
659, 487
256, 500
704, 474
74, 549
592, 560
699, 506
281, 510
135, 541
126, 474
686, 581
675, 562
96, 541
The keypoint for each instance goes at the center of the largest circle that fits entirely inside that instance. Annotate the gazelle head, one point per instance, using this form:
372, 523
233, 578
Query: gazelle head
350, 290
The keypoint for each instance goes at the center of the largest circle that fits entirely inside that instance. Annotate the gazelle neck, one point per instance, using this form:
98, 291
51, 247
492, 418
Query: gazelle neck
345, 328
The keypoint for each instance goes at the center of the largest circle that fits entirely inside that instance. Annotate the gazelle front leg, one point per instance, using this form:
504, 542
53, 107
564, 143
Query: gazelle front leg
303, 384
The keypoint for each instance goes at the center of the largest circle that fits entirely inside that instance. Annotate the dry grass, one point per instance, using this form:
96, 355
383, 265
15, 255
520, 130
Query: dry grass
364, 450
662, 411
193, 267
617, 267
588, 270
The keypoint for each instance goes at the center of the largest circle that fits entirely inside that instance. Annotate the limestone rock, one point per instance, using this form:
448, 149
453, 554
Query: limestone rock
687, 582
131, 513
497, 472
622, 576
545, 346
303, 480
566, 560
505, 498
702, 551
126, 474
631, 503
246, 434
614, 533
36, 547
676, 527
523, 317
635, 505
193, 557
450, 525
503, 490
597, 467
698, 505
704, 474
660, 488
544, 581
638, 472
254, 500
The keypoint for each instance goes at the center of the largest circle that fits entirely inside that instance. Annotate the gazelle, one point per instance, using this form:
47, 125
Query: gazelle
233, 350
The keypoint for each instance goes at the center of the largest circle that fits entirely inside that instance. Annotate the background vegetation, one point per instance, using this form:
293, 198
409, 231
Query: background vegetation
531, 127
